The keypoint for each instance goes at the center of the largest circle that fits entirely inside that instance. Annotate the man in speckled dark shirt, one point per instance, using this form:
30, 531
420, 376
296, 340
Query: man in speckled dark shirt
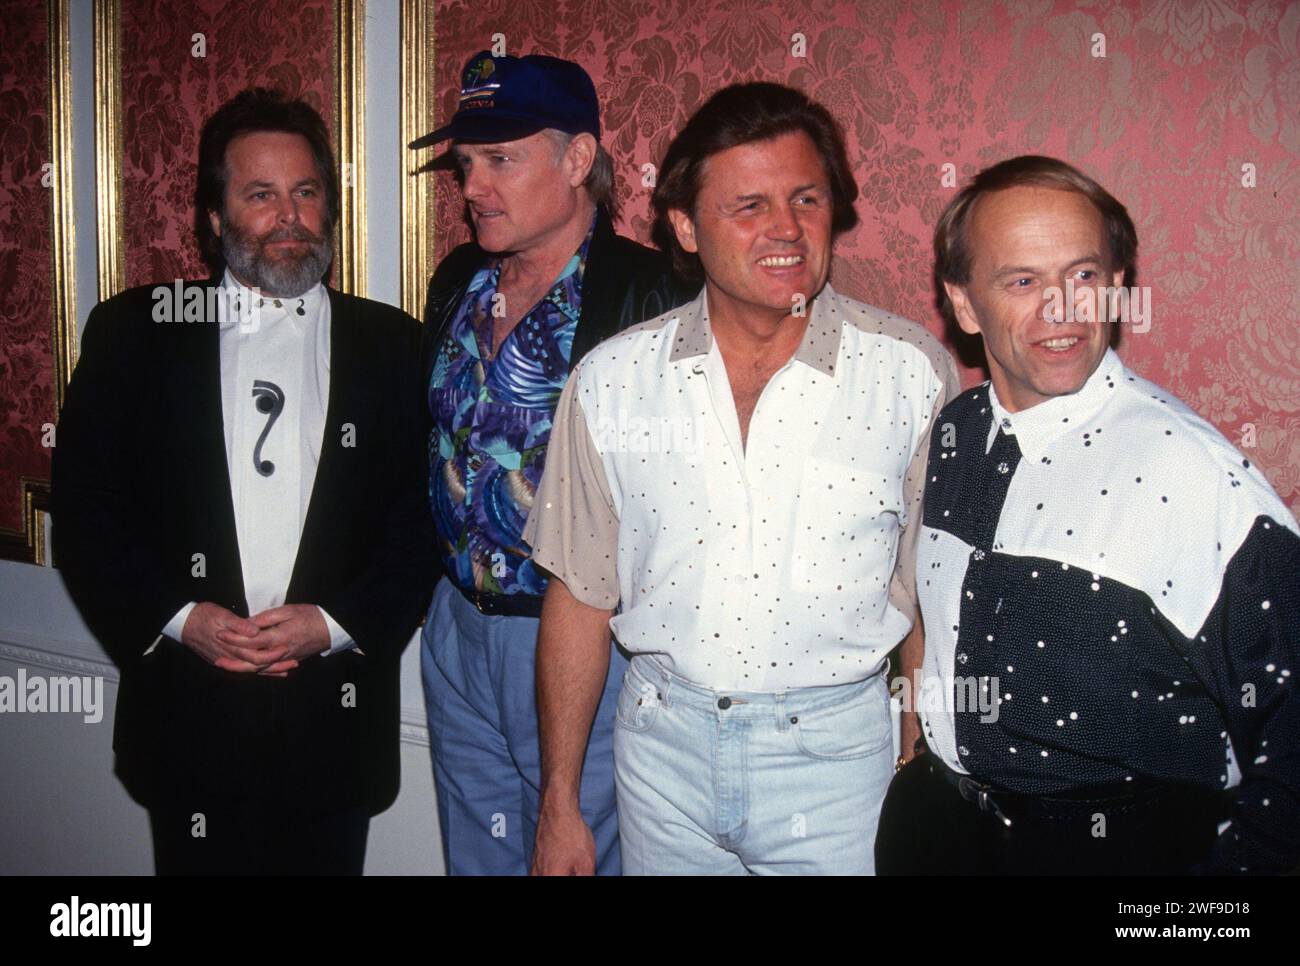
1105, 566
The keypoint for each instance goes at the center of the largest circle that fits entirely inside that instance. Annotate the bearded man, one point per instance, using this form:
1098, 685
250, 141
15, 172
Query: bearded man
239, 515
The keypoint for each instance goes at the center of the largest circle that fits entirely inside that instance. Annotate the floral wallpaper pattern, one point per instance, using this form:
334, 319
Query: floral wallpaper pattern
172, 81
26, 240
179, 61
1162, 101
1187, 110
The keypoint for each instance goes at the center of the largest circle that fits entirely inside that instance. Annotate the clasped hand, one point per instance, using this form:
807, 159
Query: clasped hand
270, 643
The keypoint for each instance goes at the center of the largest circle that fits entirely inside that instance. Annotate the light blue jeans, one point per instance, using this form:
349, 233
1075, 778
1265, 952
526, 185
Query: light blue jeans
733, 782
481, 696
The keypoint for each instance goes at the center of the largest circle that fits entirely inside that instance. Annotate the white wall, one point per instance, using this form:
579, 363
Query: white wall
62, 811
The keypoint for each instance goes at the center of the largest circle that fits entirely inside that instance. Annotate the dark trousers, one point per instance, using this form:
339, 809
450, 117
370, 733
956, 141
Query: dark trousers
928, 828
245, 840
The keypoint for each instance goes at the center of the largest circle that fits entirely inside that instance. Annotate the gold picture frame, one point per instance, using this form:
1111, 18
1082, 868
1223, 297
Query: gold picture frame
350, 133
27, 544
111, 250
418, 96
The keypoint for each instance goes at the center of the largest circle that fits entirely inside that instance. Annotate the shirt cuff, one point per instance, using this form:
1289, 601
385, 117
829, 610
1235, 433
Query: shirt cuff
339, 638
174, 627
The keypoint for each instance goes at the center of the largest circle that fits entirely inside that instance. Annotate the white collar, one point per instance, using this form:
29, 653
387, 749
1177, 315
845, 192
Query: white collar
1038, 426
819, 348
250, 309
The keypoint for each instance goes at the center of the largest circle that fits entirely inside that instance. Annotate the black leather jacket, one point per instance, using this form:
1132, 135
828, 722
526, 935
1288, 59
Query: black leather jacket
624, 283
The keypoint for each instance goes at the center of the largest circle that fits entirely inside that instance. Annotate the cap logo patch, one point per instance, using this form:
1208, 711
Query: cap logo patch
478, 84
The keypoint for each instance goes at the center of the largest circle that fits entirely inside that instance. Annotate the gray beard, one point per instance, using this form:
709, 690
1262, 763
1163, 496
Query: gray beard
287, 277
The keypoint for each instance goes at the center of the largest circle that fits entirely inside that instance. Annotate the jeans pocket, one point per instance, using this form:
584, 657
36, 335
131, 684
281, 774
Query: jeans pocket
638, 704
855, 728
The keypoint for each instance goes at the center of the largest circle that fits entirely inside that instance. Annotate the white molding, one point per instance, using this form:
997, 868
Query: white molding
415, 727
56, 655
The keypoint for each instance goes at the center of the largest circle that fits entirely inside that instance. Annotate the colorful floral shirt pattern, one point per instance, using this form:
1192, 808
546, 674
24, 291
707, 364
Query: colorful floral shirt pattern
491, 421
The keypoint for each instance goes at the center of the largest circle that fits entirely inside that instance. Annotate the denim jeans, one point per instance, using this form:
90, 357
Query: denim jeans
729, 783
481, 697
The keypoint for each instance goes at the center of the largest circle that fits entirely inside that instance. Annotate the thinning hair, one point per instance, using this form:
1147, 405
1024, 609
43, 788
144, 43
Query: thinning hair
744, 114
253, 110
952, 255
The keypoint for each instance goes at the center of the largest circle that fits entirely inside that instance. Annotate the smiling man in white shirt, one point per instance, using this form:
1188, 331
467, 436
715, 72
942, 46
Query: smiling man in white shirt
731, 488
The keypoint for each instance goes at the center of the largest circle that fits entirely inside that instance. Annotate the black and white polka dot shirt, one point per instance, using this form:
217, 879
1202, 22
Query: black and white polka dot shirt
1111, 591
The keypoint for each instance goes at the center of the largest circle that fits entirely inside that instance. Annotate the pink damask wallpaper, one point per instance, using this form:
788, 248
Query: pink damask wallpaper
178, 61
172, 80
1188, 111
26, 291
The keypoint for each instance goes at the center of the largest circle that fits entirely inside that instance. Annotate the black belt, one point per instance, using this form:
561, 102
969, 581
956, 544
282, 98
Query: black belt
503, 605
1008, 806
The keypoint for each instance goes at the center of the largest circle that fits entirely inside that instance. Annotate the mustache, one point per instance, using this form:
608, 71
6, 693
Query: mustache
292, 233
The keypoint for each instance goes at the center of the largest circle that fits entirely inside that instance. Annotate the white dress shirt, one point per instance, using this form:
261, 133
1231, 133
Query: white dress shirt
785, 563
276, 356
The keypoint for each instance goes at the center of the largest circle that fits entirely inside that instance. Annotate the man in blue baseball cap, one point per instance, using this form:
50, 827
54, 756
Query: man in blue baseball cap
508, 316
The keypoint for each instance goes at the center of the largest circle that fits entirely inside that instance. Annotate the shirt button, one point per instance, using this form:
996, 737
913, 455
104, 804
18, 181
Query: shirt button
1006, 423
724, 703
963, 750
962, 658
977, 554
1003, 468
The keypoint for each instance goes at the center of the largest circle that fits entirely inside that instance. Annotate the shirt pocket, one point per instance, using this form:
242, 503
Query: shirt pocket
846, 528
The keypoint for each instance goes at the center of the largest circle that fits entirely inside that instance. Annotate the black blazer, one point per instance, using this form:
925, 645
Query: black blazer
141, 489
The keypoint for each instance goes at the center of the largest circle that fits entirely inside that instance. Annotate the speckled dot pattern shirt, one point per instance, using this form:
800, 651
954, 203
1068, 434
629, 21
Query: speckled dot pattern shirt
1119, 584
784, 564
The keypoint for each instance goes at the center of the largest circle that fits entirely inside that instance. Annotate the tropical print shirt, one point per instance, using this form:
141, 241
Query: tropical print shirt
492, 418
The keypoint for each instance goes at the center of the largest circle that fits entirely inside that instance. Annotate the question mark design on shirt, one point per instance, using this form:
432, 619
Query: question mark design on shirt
269, 398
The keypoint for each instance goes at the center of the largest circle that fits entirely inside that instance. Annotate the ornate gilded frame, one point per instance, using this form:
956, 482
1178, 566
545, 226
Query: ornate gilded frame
111, 250
350, 137
28, 544
419, 98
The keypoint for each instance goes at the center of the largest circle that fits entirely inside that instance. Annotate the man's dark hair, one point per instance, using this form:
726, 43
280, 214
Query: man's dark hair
252, 110
952, 256
744, 114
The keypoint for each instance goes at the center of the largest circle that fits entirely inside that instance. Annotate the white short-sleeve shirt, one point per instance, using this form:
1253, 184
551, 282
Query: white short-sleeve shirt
783, 563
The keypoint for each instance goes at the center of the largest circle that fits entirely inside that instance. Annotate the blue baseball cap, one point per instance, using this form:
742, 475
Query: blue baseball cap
507, 98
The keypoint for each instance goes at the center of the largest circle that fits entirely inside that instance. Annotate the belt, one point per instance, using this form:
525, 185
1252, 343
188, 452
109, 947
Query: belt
985, 796
503, 605
1006, 805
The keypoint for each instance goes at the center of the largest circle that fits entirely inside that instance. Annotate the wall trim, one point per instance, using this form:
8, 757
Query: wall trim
415, 727
27, 543
350, 130
69, 656
61, 200
108, 147
418, 98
